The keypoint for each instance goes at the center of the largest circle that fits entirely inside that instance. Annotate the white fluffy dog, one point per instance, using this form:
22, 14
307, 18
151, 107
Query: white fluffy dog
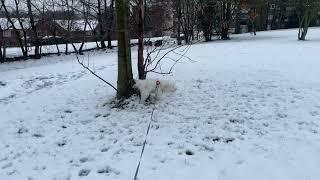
153, 88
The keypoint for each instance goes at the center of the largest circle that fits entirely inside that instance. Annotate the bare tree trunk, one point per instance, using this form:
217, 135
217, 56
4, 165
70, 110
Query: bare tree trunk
25, 43
66, 49
304, 26
1, 44
237, 21
125, 76
7, 14
141, 68
35, 32
101, 23
179, 22
4, 52
179, 34
111, 19
1, 54
303, 33
58, 50
226, 11
69, 26
83, 39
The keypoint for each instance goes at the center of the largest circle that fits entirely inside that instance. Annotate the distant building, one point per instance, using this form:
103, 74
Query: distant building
78, 30
50, 32
8, 35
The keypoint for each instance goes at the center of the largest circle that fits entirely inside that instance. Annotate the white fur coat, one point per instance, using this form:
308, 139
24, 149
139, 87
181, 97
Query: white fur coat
153, 88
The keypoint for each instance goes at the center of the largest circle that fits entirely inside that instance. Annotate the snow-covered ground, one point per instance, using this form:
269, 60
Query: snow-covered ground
248, 108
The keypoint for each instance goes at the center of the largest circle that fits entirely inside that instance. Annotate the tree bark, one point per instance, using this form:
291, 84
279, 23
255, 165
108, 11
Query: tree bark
24, 32
68, 27
34, 30
226, 11
111, 19
1, 45
1, 54
14, 28
141, 68
304, 26
101, 23
125, 76
179, 22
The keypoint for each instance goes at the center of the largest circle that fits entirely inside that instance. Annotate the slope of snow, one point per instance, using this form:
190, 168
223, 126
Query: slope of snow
248, 108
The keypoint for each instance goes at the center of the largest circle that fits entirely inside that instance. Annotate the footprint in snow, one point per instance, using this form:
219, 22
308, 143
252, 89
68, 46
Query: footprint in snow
12, 172
2, 84
225, 140
62, 177
37, 135
8, 165
189, 152
68, 111
8, 98
314, 113
62, 143
282, 115
104, 150
108, 170
84, 172
22, 130
106, 115
84, 159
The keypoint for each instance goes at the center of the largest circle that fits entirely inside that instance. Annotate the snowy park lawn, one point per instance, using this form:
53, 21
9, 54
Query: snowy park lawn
246, 109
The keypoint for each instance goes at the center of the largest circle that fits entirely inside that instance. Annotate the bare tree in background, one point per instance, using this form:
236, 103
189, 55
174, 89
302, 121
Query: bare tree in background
177, 11
101, 23
2, 45
141, 17
206, 17
307, 11
22, 40
22, 24
188, 18
69, 11
51, 4
84, 30
110, 16
35, 36
225, 19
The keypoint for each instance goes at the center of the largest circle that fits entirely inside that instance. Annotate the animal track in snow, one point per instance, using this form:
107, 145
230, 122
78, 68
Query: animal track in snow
84, 172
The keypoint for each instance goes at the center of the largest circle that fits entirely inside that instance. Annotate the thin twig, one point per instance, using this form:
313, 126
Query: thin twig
91, 71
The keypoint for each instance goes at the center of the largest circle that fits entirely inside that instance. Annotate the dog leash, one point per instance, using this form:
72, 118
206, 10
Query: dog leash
145, 140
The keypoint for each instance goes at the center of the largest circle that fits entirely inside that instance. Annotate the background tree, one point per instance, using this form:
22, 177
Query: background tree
307, 11
109, 13
176, 6
22, 39
36, 40
102, 30
225, 19
206, 17
2, 45
141, 22
3, 27
187, 17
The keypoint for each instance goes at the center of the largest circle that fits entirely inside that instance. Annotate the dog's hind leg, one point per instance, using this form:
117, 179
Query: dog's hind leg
143, 97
